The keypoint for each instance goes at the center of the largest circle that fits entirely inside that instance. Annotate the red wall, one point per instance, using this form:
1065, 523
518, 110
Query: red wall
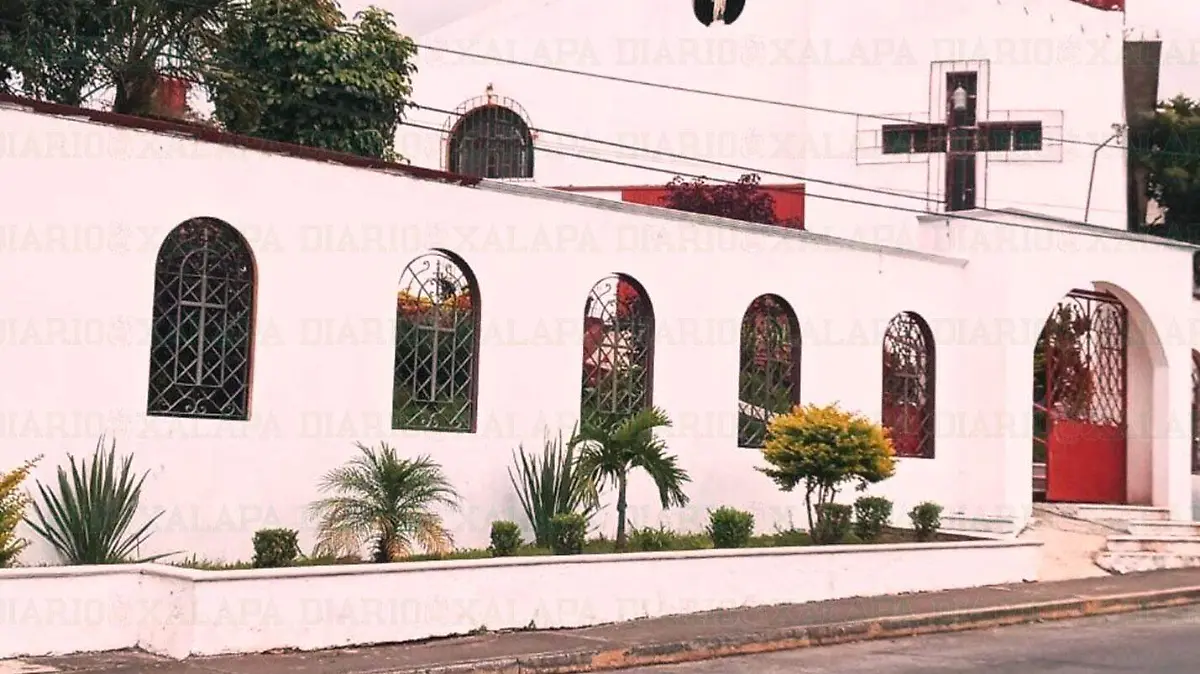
789, 200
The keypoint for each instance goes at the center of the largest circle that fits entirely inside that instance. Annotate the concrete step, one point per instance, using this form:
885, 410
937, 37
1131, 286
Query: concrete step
1160, 528
1165, 544
1137, 562
967, 525
982, 535
1099, 512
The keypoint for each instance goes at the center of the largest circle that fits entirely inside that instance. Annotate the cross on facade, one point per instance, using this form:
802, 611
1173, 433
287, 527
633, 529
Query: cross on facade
961, 137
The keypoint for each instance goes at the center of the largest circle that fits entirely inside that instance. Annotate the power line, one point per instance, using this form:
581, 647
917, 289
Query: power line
702, 92
1098, 232
698, 160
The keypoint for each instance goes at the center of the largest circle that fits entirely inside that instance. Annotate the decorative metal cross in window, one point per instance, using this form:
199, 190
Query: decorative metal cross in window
961, 137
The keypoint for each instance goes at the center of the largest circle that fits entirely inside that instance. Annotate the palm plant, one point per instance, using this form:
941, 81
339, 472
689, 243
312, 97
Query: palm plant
87, 520
381, 498
610, 452
551, 485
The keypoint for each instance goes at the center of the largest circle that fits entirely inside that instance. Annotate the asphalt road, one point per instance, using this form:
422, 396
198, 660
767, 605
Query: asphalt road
1151, 642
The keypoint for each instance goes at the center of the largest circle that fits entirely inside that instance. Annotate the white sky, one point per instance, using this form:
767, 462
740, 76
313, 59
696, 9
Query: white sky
414, 17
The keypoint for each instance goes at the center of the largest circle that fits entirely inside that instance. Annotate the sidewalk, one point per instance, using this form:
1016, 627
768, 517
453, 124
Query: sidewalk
694, 637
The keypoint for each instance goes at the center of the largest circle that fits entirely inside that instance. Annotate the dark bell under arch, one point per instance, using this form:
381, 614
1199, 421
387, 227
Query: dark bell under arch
704, 10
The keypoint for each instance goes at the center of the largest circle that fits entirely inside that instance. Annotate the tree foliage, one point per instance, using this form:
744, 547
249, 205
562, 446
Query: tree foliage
297, 71
1167, 144
12, 511
744, 200
66, 50
822, 449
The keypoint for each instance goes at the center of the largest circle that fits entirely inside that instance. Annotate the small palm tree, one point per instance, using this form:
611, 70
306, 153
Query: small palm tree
610, 452
380, 497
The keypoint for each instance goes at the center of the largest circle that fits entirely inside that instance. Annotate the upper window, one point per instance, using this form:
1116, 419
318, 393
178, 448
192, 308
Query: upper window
202, 323
491, 141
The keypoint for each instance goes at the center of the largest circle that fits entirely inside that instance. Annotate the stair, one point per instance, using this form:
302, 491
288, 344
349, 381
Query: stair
1159, 528
1105, 514
984, 527
1165, 544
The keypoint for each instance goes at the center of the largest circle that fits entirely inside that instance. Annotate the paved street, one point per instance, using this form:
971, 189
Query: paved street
1152, 642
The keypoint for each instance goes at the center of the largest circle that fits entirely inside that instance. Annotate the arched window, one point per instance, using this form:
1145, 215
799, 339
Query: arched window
706, 11
202, 334
769, 374
491, 141
908, 385
1195, 412
618, 351
437, 346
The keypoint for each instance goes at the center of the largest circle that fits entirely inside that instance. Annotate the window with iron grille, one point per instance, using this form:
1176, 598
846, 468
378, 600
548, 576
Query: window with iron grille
618, 352
202, 328
437, 346
492, 141
908, 385
769, 368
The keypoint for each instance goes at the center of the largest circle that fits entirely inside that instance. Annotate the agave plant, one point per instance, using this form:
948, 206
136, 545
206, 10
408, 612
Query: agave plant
88, 519
381, 498
552, 485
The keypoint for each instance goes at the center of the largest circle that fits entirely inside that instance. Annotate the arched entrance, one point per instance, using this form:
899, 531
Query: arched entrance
1081, 400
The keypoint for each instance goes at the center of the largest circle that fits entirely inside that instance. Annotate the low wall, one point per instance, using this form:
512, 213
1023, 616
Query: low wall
182, 612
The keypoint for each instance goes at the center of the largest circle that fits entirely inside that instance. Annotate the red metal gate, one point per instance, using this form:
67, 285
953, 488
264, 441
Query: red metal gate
1080, 399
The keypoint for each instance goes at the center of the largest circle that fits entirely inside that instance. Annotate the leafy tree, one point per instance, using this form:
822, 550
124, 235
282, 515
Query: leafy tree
610, 452
1167, 144
65, 51
381, 498
297, 71
823, 448
743, 200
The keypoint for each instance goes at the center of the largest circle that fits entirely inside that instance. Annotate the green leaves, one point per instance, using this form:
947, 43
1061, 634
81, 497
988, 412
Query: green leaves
379, 495
297, 71
87, 519
1167, 145
552, 485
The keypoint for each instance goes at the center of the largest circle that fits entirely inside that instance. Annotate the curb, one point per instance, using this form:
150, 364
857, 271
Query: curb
794, 638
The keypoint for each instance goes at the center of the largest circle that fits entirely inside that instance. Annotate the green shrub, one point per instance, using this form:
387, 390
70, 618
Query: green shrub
506, 538
832, 525
730, 527
274, 548
12, 510
648, 539
926, 520
568, 533
551, 484
871, 515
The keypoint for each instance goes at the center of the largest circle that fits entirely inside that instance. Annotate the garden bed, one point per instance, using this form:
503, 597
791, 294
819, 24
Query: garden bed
654, 541
181, 612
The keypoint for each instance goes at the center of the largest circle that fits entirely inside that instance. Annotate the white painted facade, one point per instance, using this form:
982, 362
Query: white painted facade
181, 612
330, 241
1052, 61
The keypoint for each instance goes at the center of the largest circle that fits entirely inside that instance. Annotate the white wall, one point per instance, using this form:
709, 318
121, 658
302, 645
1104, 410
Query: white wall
179, 612
330, 242
1053, 60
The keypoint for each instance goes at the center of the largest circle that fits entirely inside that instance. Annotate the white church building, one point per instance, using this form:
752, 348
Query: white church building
237, 314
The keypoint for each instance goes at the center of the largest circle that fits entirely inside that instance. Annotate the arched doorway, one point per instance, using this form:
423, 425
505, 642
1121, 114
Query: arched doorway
1081, 401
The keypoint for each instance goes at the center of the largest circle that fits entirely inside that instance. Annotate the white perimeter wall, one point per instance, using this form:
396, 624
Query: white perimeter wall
87, 207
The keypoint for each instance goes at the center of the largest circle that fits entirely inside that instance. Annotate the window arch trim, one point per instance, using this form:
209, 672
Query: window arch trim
177, 389
912, 438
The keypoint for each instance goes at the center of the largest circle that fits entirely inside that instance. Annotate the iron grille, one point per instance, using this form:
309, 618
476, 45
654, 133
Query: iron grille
769, 368
202, 323
1195, 413
618, 347
492, 141
437, 346
1082, 353
908, 386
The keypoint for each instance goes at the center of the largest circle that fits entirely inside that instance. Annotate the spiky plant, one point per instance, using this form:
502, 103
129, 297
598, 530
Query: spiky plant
88, 519
551, 485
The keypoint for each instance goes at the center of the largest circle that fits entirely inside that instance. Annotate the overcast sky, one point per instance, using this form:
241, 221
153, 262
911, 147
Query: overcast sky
414, 17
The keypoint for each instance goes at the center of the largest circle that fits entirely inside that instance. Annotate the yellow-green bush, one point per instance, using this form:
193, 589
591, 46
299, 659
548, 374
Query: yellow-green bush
12, 510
